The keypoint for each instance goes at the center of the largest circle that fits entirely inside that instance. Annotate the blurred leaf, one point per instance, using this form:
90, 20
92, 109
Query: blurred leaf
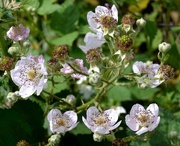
143, 94
47, 7
81, 129
58, 87
67, 39
141, 4
119, 93
157, 40
151, 29
65, 20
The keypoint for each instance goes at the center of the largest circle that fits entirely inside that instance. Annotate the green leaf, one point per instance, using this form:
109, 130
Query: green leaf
58, 87
81, 129
47, 7
157, 40
119, 94
67, 39
151, 29
143, 94
65, 20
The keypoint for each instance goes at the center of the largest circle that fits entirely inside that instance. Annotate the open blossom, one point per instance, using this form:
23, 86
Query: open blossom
61, 123
103, 20
18, 33
142, 120
148, 74
101, 123
77, 64
92, 41
30, 75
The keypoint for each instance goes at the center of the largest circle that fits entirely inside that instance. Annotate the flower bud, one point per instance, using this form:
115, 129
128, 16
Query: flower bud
54, 139
26, 44
98, 137
14, 50
141, 22
71, 99
11, 98
173, 134
164, 47
94, 78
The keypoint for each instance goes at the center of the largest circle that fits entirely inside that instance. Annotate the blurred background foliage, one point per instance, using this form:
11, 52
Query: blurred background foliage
64, 22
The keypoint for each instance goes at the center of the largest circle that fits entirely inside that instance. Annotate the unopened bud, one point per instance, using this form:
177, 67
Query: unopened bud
54, 139
164, 47
14, 50
71, 99
98, 137
26, 44
141, 22
173, 134
94, 78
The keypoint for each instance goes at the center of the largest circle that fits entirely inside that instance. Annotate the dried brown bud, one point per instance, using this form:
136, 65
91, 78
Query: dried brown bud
53, 63
124, 43
60, 52
6, 63
22, 143
93, 55
128, 19
166, 71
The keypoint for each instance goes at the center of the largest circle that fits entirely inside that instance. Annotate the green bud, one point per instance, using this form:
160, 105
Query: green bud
26, 44
173, 134
94, 78
14, 50
141, 22
71, 99
164, 47
54, 139
98, 137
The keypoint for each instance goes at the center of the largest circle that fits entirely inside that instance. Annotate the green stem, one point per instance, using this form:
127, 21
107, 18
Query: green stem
77, 70
3, 46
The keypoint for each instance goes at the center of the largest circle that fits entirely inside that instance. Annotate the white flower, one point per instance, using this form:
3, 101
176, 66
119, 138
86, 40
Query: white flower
101, 123
86, 90
103, 20
61, 123
30, 75
18, 33
92, 41
142, 120
148, 74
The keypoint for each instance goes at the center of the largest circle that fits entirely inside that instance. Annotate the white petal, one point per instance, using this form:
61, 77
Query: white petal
53, 114
73, 117
142, 130
91, 113
86, 123
26, 91
100, 130
92, 21
114, 12
138, 67
131, 123
154, 109
136, 108
102, 11
154, 125
112, 116
115, 126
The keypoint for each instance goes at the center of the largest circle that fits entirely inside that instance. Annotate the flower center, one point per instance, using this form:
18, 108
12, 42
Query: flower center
61, 122
100, 120
31, 74
144, 118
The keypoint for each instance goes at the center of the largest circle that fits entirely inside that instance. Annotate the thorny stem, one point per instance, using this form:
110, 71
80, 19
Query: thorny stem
3, 46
